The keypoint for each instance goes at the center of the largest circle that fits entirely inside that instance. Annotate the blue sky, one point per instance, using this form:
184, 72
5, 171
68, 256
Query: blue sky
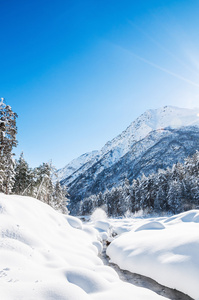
79, 72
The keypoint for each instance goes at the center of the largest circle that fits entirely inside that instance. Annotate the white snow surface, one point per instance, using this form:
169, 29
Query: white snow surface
164, 249
49, 256
153, 119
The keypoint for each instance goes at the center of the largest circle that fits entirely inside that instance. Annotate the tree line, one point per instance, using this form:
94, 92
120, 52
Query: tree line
16, 177
172, 190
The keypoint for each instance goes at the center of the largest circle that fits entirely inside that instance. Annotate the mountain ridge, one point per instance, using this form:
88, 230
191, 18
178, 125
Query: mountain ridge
163, 126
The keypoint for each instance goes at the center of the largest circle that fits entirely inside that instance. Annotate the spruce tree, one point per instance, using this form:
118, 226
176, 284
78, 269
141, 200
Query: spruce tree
175, 197
8, 131
43, 182
60, 198
22, 177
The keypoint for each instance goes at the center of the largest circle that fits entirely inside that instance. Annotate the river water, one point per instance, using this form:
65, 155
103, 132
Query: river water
143, 281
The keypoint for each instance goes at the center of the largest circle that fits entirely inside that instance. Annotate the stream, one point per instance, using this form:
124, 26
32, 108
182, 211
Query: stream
143, 281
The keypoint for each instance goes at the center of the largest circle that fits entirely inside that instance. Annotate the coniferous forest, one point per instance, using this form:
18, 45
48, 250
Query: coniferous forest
16, 177
172, 190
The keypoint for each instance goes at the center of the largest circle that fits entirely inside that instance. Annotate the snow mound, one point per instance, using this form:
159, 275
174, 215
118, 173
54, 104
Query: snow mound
170, 255
49, 256
103, 225
87, 280
74, 222
99, 246
189, 216
150, 226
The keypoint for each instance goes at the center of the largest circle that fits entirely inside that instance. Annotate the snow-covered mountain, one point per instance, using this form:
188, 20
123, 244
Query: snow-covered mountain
75, 164
156, 139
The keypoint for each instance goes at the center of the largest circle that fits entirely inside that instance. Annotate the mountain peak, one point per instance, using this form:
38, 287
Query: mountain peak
169, 116
151, 120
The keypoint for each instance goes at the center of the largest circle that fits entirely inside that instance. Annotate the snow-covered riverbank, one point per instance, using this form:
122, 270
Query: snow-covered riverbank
143, 281
49, 256
164, 249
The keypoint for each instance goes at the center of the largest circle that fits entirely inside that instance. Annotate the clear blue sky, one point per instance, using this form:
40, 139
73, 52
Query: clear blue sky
79, 72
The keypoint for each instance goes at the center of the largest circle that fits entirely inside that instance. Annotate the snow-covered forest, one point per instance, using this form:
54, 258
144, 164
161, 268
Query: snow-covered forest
16, 177
172, 190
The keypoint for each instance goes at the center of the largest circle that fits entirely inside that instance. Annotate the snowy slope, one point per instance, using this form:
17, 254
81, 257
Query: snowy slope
49, 256
75, 164
134, 151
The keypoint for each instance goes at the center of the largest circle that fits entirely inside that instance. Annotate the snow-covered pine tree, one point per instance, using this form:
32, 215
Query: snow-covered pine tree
59, 199
132, 203
160, 190
113, 202
22, 180
194, 191
175, 197
192, 164
88, 205
100, 199
144, 192
136, 187
124, 203
8, 131
43, 183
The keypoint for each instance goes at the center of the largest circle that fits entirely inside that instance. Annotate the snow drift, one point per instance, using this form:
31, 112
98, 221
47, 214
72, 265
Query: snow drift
49, 256
164, 249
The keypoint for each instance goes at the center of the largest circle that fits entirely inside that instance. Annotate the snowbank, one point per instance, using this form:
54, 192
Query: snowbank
49, 256
166, 250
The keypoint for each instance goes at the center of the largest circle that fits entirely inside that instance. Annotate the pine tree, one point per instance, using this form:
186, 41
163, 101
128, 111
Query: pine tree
22, 178
126, 195
8, 131
144, 193
194, 190
175, 197
59, 198
43, 183
192, 164
100, 200
137, 198
88, 205
160, 190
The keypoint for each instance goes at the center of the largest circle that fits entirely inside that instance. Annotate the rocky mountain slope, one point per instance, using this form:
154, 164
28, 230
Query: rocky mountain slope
157, 139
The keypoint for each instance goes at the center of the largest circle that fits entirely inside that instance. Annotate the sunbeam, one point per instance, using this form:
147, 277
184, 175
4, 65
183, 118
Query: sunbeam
158, 67
149, 37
